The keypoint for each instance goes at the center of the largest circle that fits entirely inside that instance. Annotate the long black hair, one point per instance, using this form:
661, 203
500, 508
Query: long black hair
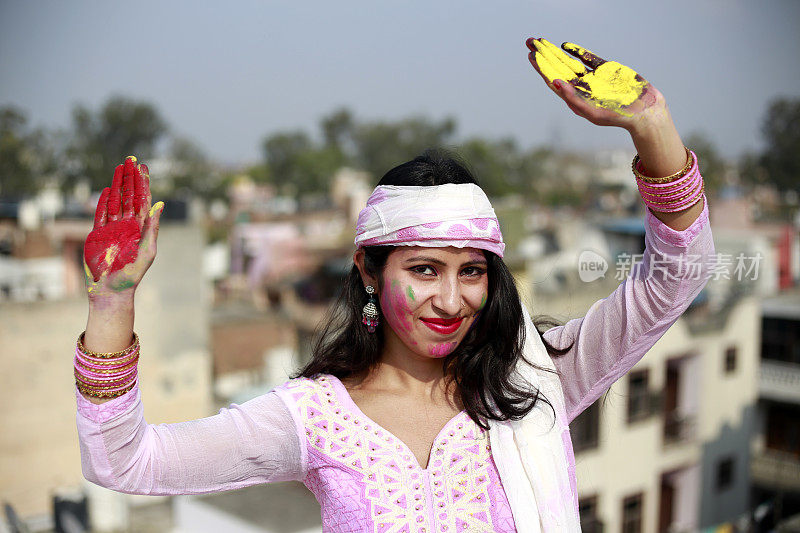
482, 365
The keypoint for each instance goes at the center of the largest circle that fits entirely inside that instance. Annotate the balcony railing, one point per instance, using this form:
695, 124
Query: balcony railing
592, 525
678, 427
776, 470
779, 381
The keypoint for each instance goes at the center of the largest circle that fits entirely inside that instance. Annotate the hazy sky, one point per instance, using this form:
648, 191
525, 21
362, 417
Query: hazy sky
227, 74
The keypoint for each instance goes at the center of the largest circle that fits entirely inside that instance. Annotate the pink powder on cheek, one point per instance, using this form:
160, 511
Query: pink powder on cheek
441, 350
395, 307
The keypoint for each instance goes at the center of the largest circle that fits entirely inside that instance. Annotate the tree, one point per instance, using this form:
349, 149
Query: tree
102, 139
781, 130
27, 156
190, 172
495, 164
297, 166
380, 146
337, 129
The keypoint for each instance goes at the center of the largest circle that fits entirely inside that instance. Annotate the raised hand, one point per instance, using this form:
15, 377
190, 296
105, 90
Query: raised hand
122, 244
605, 93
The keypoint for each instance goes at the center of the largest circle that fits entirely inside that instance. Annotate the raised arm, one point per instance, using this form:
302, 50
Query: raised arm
117, 253
256, 442
617, 331
607, 93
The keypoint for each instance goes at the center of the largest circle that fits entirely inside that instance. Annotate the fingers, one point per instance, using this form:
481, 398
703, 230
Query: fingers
138, 191
550, 70
148, 198
101, 213
128, 187
115, 196
554, 53
535, 61
150, 232
588, 58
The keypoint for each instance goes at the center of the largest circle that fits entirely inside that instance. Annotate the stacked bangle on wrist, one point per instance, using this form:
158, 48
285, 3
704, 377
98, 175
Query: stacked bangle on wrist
671, 193
106, 375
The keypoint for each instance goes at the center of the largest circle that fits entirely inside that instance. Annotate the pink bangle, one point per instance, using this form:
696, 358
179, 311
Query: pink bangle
657, 197
666, 188
98, 383
106, 362
674, 193
677, 207
105, 371
123, 361
106, 375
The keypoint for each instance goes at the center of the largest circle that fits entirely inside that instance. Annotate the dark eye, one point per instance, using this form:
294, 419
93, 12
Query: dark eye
474, 271
425, 270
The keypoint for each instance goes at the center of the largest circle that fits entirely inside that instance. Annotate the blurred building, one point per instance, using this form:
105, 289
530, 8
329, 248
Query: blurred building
43, 310
775, 468
671, 446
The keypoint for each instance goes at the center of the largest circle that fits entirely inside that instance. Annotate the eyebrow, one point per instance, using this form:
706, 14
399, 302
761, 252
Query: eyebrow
440, 262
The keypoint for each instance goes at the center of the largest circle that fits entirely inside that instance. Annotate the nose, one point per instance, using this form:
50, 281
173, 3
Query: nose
447, 299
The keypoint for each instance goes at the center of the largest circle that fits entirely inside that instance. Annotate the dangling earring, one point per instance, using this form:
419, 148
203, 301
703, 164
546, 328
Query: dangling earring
370, 311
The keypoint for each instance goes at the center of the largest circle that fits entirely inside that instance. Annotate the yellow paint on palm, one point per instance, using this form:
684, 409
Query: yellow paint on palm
611, 85
614, 85
111, 254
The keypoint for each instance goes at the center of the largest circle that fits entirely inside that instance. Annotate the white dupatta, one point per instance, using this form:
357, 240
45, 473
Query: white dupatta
534, 455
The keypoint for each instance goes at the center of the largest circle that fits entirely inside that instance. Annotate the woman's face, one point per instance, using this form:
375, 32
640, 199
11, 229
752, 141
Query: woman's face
430, 297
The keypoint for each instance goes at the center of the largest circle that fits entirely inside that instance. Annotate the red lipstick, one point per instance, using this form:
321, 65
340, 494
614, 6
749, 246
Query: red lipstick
444, 326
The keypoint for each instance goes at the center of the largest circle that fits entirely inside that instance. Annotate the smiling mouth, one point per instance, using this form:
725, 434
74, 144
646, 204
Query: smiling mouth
444, 326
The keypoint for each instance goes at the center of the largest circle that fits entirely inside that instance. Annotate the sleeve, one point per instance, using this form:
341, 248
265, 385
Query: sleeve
244, 445
618, 330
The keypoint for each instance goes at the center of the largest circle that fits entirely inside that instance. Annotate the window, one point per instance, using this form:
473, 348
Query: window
730, 359
725, 473
585, 428
780, 338
587, 507
632, 508
638, 395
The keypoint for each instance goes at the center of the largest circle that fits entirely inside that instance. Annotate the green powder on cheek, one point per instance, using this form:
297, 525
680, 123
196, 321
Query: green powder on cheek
410, 293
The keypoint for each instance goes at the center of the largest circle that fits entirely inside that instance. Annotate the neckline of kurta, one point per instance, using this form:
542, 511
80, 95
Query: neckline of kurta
344, 397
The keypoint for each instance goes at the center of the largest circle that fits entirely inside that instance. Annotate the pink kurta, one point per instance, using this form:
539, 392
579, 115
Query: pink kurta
364, 477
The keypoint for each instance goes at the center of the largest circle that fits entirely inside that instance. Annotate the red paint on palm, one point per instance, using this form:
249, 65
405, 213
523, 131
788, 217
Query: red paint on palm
109, 248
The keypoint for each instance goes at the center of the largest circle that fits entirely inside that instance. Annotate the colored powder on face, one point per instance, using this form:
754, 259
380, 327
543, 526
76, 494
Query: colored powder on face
395, 306
483, 302
410, 293
443, 349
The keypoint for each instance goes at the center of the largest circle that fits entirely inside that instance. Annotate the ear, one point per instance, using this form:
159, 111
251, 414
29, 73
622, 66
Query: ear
358, 260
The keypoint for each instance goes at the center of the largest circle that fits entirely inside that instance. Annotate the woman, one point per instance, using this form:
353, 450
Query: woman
431, 403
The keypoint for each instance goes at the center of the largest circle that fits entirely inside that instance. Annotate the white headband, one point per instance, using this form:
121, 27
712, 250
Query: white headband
453, 214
